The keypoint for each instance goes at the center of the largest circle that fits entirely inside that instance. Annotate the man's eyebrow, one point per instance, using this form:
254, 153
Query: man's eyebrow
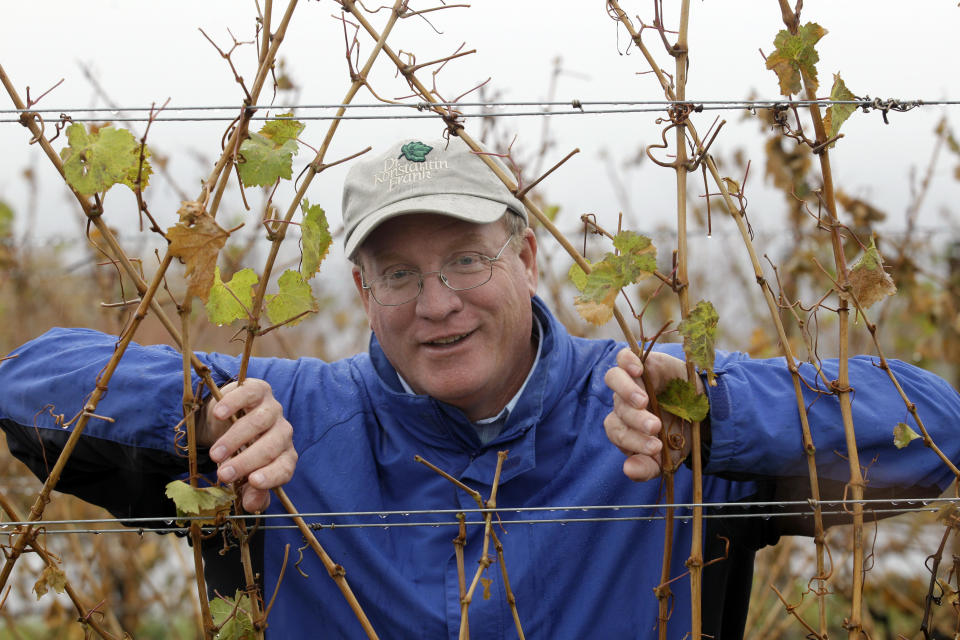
465, 241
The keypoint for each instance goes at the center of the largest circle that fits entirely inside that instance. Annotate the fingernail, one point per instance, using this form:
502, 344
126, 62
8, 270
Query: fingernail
227, 474
638, 400
257, 478
636, 370
653, 447
218, 453
220, 411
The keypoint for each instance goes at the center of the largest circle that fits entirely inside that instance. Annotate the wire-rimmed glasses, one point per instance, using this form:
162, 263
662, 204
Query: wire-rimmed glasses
464, 270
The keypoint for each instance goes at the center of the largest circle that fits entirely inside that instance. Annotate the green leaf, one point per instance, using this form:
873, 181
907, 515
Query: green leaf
837, 114
903, 435
293, 299
51, 578
232, 616
869, 283
699, 331
6, 220
96, 160
199, 501
232, 300
637, 260
315, 239
415, 151
681, 399
795, 58
267, 156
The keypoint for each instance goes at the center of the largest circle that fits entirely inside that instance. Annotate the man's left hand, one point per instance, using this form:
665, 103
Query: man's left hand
631, 426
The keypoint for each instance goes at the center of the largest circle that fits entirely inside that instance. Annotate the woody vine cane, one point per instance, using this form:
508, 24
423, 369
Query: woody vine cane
734, 202
839, 113
147, 300
449, 116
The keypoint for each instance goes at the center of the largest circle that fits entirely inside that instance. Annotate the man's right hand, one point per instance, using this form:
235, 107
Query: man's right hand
257, 447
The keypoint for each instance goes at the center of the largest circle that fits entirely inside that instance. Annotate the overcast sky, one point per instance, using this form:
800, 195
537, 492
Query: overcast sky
143, 52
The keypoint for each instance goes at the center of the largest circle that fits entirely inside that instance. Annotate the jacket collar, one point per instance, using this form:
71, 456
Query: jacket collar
443, 427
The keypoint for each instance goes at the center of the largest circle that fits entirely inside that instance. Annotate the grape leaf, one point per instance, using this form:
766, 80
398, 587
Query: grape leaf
199, 501
283, 129
232, 300
51, 578
232, 617
637, 259
869, 283
197, 245
681, 399
267, 156
96, 160
903, 435
794, 58
6, 220
577, 276
699, 331
595, 313
315, 239
837, 114
294, 298
638, 255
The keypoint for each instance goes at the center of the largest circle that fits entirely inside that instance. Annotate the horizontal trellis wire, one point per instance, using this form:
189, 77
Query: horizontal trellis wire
577, 107
909, 505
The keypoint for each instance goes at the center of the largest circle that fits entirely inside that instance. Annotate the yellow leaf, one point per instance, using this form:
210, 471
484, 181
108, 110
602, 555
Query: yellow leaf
593, 312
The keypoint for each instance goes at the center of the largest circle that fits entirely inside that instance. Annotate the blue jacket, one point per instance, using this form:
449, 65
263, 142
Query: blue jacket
357, 432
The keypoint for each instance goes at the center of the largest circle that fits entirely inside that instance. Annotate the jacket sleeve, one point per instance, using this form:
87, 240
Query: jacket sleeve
122, 463
755, 427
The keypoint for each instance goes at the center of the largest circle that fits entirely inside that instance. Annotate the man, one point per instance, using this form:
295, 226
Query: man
465, 361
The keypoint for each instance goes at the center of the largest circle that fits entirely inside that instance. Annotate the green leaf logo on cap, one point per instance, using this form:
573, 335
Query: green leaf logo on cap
415, 151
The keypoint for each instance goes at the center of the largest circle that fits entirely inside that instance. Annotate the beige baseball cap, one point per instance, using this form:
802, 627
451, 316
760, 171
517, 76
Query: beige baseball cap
413, 176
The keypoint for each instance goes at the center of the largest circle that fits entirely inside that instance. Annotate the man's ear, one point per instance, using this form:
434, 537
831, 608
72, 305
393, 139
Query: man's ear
364, 293
528, 255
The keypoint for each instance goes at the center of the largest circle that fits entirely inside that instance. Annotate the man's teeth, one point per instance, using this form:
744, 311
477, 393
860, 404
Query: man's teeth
449, 340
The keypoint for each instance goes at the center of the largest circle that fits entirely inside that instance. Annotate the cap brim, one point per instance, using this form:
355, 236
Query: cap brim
456, 205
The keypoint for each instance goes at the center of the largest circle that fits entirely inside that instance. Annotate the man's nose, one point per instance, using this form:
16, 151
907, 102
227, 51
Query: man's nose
436, 299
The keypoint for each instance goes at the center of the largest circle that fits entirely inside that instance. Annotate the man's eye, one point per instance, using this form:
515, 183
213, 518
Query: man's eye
466, 260
399, 276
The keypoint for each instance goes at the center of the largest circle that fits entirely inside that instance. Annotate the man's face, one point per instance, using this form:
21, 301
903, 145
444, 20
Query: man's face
471, 349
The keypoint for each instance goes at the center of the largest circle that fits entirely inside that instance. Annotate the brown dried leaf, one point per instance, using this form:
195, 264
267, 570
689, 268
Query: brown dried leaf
51, 578
198, 246
486, 582
869, 283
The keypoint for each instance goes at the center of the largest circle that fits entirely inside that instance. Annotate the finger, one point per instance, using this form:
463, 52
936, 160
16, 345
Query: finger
240, 396
623, 385
640, 468
254, 500
630, 362
257, 420
629, 440
641, 420
266, 464
271, 444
